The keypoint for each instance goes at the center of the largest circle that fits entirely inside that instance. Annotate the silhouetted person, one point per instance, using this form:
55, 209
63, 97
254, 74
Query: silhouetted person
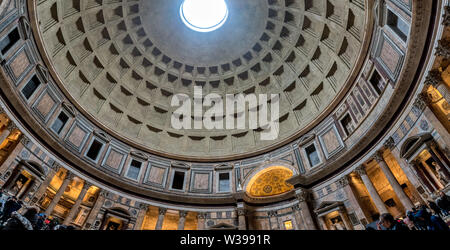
388, 221
431, 222
21, 222
444, 203
10, 206
3, 199
435, 208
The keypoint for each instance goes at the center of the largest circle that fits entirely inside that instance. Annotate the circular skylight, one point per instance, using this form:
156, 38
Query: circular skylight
204, 15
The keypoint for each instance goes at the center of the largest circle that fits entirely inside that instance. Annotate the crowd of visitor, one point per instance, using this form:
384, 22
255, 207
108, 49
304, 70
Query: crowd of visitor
29, 219
430, 218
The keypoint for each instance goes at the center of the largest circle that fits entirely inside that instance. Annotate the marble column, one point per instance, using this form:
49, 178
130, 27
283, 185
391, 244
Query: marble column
95, 209
298, 217
344, 183
242, 213
303, 197
43, 187
143, 209
162, 213
323, 223
182, 219
422, 178
58, 195
436, 79
410, 173
273, 220
12, 157
345, 219
8, 130
423, 103
77, 204
201, 216
404, 199
379, 204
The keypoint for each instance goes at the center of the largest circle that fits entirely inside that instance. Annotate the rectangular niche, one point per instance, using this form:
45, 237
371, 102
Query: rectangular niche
31, 87
312, 154
134, 169
178, 179
224, 182
95, 149
7, 42
60, 122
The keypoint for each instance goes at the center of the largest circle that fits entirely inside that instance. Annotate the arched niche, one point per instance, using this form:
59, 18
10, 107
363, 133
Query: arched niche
269, 181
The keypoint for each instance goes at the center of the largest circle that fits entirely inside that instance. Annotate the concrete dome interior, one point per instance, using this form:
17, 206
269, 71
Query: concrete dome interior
136, 55
86, 92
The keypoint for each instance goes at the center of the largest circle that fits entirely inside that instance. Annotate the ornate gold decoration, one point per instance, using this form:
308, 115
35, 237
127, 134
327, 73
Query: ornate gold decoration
269, 182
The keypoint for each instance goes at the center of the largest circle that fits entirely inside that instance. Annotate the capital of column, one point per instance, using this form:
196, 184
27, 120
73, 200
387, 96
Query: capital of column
446, 19
272, 213
183, 213
421, 102
302, 195
87, 185
296, 207
389, 143
434, 78
202, 215
343, 181
361, 170
69, 176
241, 212
143, 206
378, 157
104, 193
11, 126
443, 48
162, 210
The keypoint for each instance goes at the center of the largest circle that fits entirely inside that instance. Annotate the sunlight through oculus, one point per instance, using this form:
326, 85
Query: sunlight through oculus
204, 15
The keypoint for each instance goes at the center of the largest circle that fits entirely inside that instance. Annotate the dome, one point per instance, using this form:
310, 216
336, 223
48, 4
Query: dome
122, 63
224, 114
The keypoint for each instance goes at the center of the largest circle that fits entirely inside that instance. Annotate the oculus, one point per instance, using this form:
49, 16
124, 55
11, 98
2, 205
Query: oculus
204, 15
